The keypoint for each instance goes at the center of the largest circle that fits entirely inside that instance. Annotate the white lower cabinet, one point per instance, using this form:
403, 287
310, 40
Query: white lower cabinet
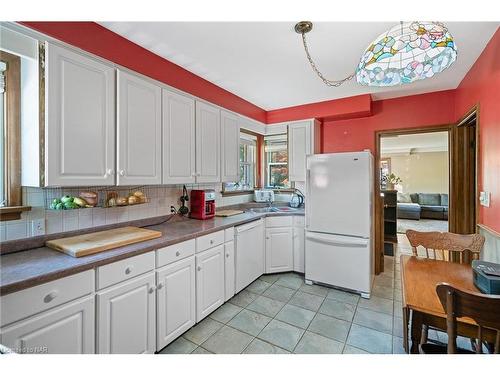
229, 268
279, 249
209, 281
66, 329
299, 249
126, 321
176, 300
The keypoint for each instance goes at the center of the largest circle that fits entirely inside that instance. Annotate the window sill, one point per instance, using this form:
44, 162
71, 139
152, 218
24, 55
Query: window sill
236, 192
13, 212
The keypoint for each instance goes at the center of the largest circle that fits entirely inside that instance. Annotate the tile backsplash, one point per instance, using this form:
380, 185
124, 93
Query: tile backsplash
42, 220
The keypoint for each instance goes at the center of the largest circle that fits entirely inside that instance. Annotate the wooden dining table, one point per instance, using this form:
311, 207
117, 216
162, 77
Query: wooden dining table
419, 277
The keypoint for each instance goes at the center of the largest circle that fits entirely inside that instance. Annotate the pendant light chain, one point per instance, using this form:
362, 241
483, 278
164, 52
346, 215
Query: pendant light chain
313, 66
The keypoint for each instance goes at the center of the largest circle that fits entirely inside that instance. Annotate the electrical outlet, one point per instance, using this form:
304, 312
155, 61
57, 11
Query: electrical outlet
484, 198
38, 227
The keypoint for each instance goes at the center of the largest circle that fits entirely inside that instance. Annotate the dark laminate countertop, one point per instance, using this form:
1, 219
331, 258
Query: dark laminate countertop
27, 268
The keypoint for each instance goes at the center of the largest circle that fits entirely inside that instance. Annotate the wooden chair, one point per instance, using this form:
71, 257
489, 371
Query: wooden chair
461, 248
484, 309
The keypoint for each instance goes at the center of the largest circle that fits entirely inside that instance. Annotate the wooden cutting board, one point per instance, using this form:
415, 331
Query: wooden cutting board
227, 213
92, 243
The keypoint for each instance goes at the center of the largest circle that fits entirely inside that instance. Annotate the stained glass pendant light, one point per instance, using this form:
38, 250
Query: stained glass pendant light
407, 53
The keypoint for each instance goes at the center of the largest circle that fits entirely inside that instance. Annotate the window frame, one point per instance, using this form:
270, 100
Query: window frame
266, 164
256, 167
12, 134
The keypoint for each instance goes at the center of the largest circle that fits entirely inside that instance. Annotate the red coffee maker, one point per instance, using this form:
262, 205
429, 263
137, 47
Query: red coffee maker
202, 204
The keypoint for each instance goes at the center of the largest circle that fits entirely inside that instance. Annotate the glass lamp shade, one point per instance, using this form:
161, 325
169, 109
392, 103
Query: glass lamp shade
407, 53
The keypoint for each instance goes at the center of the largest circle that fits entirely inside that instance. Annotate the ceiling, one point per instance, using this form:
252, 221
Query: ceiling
414, 143
264, 62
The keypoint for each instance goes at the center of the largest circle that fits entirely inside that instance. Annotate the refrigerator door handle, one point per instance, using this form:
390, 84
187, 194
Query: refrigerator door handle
308, 207
337, 240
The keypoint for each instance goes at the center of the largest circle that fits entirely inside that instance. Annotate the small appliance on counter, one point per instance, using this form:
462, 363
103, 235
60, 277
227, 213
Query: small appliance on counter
297, 199
486, 276
263, 196
202, 204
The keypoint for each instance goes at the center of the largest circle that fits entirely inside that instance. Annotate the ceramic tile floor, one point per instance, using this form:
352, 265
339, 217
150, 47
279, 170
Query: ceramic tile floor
281, 314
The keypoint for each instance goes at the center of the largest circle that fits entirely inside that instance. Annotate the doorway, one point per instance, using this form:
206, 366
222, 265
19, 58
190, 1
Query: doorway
462, 177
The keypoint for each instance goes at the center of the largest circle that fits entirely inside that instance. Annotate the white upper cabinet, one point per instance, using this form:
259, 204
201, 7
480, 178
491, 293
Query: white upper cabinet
303, 140
139, 131
230, 147
79, 120
207, 143
179, 164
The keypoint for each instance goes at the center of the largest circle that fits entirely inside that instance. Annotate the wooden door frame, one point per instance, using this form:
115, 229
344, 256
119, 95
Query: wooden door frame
379, 265
474, 111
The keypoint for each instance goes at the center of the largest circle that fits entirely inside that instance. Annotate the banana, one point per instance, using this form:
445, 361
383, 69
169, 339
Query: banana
79, 201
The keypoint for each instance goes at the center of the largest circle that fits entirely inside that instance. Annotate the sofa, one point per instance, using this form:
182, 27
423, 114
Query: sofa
418, 206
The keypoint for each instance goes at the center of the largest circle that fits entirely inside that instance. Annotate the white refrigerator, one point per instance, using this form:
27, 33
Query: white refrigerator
339, 221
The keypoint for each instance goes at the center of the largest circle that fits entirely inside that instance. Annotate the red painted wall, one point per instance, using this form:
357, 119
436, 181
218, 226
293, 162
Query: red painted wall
481, 86
96, 39
431, 109
352, 107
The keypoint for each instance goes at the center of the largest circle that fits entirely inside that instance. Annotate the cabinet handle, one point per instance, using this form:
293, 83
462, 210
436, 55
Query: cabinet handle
199, 268
109, 172
50, 297
152, 289
211, 242
177, 253
122, 172
160, 285
128, 270
227, 255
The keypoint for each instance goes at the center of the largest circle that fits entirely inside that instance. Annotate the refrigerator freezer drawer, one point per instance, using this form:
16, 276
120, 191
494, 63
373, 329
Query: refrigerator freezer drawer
340, 261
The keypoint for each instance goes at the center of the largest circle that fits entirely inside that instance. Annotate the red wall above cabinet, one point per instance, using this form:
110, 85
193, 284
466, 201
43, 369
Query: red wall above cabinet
338, 109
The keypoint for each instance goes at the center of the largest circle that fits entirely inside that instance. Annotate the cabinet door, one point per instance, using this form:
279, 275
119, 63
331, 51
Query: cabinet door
67, 329
279, 250
178, 138
299, 146
139, 131
126, 317
207, 143
209, 281
176, 300
80, 120
229, 267
298, 249
230, 147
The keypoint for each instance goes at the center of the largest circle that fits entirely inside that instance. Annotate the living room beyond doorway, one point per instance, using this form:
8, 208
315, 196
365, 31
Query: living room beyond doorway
415, 168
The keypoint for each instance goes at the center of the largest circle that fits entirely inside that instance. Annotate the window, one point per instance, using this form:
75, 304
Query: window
276, 161
10, 137
248, 166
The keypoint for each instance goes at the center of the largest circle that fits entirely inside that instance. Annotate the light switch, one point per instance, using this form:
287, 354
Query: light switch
484, 198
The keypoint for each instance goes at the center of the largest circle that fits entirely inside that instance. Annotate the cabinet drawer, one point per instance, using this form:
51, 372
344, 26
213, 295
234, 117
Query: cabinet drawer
229, 234
299, 221
209, 240
19, 305
279, 221
169, 254
124, 269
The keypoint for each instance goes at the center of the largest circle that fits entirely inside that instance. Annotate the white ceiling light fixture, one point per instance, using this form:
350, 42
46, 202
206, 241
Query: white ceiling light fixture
406, 53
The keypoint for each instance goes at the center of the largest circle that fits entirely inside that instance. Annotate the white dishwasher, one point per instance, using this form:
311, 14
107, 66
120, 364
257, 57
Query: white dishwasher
249, 253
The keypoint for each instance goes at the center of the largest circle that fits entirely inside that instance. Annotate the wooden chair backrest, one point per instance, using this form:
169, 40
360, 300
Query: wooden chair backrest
484, 309
466, 246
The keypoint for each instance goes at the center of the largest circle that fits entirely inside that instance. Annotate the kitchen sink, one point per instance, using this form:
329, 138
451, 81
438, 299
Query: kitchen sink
282, 209
271, 209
